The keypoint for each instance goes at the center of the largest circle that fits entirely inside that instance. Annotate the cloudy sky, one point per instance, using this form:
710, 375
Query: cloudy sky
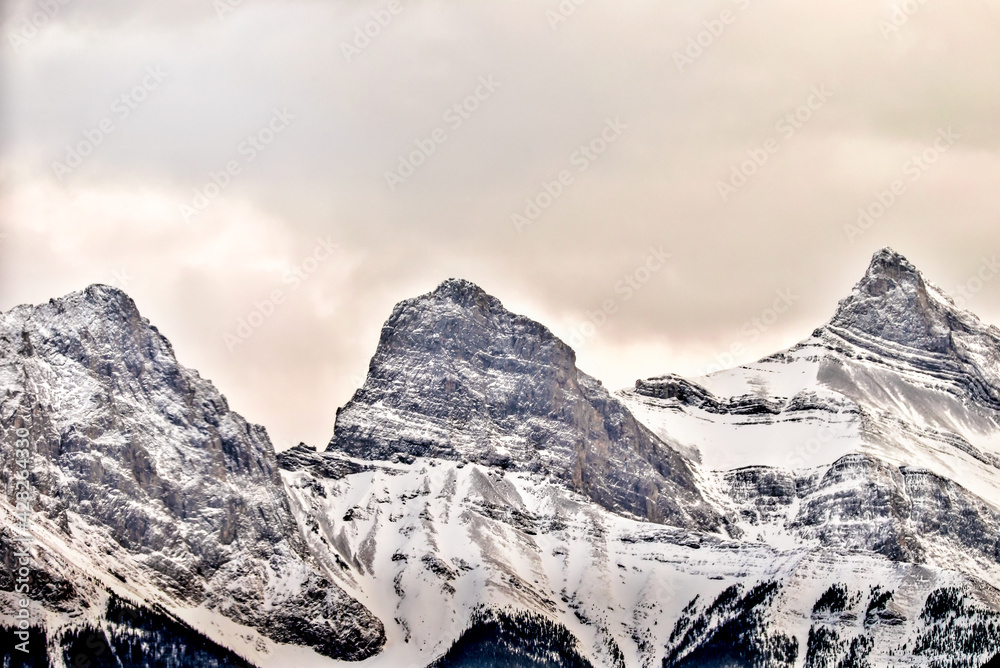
267, 178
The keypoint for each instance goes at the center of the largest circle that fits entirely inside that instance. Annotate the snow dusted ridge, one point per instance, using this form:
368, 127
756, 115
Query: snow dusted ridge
833, 505
148, 485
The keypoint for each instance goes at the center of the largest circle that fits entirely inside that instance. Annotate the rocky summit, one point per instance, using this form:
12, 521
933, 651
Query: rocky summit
457, 376
894, 303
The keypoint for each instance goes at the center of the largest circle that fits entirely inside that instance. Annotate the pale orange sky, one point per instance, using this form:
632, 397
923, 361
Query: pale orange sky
614, 122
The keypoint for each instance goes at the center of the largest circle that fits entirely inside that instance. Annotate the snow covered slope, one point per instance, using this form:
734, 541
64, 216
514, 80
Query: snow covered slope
428, 542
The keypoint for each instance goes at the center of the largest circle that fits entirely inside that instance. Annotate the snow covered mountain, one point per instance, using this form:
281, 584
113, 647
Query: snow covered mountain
485, 503
879, 432
145, 487
855, 475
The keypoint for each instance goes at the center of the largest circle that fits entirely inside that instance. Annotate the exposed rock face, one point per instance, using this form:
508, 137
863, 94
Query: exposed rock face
860, 503
323, 464
893, 302
691, 394
762, 494
899, 316
457, 376
139, 448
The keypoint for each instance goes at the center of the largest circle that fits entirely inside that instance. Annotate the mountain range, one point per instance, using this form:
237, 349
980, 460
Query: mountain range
484, 502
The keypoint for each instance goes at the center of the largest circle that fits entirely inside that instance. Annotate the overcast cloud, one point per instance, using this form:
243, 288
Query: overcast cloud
308, 118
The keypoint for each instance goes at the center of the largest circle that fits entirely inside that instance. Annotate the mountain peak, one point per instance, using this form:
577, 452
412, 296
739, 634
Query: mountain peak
887, 263
893, 302
104, 292
464, 293
456, 376
457, 286
106, 299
